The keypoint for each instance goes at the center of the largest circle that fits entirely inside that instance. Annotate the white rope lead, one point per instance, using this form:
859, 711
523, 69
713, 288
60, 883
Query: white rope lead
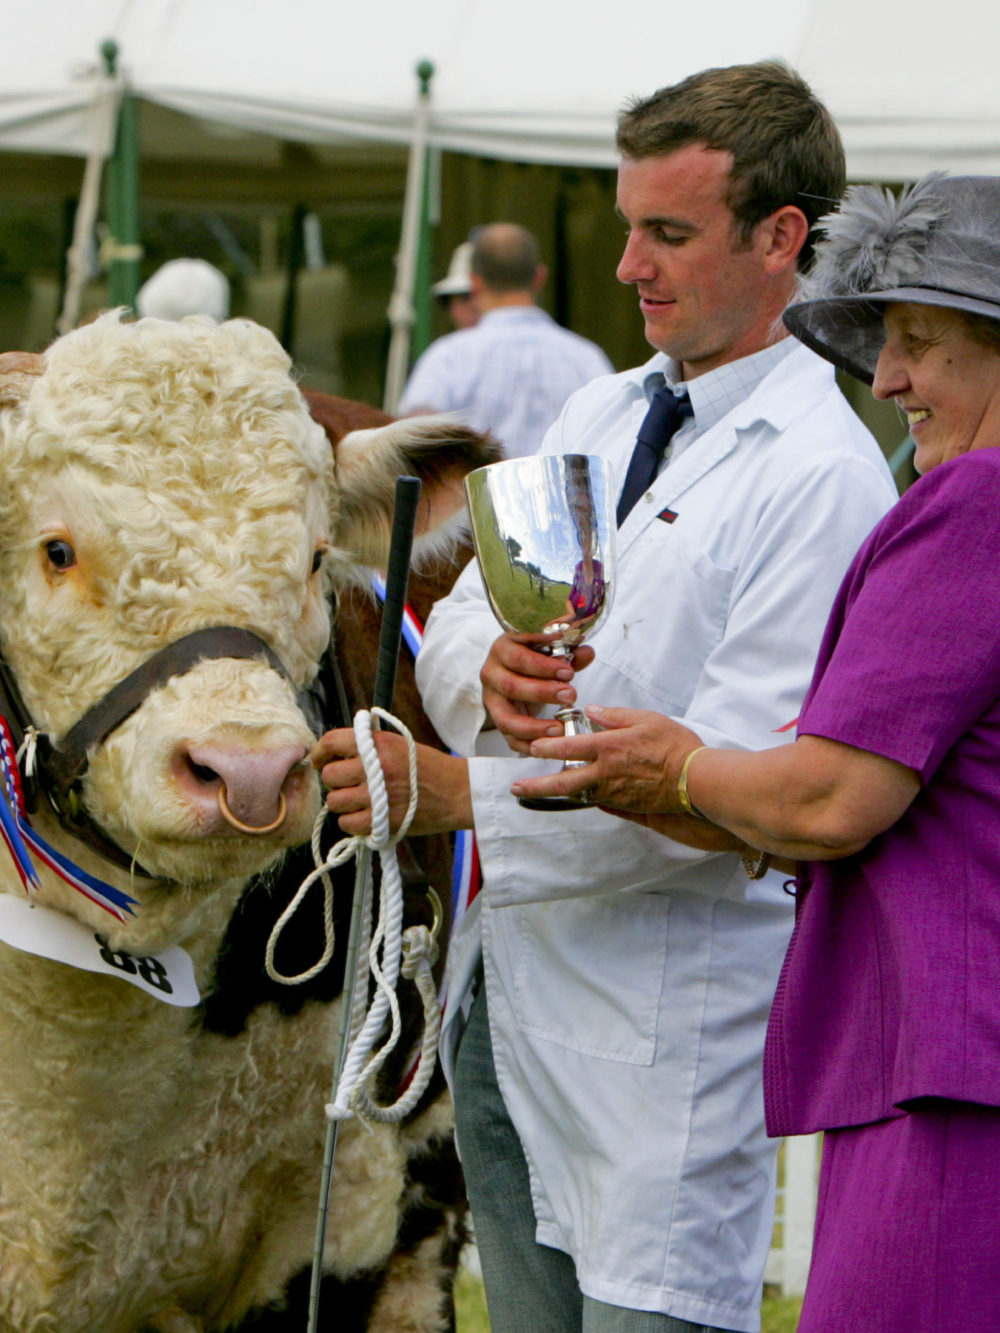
390, 950
419, 956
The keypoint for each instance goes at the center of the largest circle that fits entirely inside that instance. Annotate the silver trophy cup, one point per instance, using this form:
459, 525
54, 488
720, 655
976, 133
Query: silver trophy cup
544, 532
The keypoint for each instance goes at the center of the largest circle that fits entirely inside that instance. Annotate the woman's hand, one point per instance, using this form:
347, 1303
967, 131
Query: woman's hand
632, 764
814, 800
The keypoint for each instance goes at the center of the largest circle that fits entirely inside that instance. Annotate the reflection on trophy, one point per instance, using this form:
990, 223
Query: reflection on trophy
543, 529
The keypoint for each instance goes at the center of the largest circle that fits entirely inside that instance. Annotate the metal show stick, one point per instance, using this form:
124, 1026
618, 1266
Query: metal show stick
397, 575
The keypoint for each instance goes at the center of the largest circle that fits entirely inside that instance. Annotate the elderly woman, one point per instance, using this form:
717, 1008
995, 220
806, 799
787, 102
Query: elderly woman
885, 1030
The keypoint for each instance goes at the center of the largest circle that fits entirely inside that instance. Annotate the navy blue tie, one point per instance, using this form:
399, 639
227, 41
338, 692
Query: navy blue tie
666, 412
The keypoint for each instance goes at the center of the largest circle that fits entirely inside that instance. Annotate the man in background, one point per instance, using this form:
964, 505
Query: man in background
512, 372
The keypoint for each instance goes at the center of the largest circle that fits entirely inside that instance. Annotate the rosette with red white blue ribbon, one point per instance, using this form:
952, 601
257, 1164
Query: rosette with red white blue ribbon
23, 842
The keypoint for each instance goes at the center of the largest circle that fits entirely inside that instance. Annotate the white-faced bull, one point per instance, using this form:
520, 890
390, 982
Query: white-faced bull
173, 528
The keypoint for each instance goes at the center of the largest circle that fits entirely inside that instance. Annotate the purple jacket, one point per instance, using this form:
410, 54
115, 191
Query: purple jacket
891, 986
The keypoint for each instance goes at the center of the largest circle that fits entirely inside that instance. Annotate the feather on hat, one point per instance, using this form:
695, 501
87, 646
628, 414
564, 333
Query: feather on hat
878, 240
937, 243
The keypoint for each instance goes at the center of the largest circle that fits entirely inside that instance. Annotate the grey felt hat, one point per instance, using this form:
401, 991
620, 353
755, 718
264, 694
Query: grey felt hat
938, 243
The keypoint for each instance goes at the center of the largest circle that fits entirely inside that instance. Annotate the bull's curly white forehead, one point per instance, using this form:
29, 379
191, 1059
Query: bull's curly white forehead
111, 386
180, 464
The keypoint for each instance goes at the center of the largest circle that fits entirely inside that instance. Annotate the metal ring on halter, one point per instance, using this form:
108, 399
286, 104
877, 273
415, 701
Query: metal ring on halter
228, 815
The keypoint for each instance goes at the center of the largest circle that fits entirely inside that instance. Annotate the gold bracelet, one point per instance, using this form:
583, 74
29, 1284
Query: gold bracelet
756, 866
682, 785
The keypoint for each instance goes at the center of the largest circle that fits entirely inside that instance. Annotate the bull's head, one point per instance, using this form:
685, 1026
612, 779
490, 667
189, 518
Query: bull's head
155, 480
159, 479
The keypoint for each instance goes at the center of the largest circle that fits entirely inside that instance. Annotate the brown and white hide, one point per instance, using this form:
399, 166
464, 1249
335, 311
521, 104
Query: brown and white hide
161, 1165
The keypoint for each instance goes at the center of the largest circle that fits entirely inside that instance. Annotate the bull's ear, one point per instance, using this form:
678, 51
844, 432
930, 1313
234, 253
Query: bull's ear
18, 372
437, 450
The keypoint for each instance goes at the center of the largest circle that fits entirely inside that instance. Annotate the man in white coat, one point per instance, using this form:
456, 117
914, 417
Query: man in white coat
608, 1080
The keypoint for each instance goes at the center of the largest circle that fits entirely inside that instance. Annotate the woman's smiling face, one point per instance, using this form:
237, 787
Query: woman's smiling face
943, 377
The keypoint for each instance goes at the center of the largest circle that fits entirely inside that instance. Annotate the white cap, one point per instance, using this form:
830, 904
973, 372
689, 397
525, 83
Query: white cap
184, 287
456, 282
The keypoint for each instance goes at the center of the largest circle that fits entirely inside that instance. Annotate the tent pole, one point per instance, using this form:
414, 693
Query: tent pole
122, 249
105, 117
415, 210
423, 306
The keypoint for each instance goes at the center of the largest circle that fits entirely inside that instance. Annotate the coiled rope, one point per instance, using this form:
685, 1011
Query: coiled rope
389, 949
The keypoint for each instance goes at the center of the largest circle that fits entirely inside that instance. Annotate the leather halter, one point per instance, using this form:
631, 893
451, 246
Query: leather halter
60, 768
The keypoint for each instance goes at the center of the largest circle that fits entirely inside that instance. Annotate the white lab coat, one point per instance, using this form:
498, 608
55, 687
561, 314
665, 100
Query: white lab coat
629, 978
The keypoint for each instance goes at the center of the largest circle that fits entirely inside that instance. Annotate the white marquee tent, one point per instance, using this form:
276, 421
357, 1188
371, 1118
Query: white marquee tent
913, 86
537, 81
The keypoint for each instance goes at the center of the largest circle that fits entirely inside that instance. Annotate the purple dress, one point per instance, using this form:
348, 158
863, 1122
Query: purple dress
886, 1022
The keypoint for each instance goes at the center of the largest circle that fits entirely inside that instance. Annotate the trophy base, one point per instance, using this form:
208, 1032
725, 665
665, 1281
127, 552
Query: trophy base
580, 801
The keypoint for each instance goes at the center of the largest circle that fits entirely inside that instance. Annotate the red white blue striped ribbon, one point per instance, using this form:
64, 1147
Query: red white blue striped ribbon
466, 878
22, 841
413, 630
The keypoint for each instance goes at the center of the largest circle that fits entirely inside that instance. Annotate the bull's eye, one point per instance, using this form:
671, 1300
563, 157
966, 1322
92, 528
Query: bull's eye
61, 555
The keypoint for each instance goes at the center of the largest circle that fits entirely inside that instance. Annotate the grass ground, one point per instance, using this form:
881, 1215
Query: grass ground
778, 1315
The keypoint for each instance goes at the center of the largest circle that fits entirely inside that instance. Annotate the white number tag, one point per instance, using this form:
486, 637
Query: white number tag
168, 976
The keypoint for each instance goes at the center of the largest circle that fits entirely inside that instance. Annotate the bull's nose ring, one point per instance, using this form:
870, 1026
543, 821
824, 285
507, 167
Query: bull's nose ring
263, 829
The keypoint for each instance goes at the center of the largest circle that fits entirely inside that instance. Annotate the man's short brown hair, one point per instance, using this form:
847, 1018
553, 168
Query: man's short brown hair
785, 146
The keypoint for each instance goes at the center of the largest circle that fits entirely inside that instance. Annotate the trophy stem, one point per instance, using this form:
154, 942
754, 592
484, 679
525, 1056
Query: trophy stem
575, 723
